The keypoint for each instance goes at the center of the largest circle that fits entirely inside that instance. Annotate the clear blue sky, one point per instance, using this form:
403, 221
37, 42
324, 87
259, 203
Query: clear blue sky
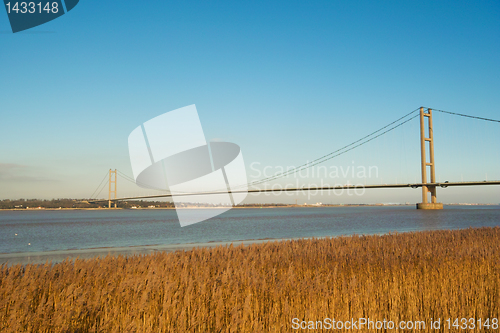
288, 81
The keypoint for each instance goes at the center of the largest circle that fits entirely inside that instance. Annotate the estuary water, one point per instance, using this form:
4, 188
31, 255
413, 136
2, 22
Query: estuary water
49, 230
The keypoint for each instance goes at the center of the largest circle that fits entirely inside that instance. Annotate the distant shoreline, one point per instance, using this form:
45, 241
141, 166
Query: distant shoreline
247, 207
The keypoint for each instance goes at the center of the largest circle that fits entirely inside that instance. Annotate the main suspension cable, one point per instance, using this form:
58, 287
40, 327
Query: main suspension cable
330, 156
465, 115
92, 196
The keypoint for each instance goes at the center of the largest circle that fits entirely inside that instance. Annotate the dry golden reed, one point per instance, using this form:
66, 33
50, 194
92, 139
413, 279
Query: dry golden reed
261, 288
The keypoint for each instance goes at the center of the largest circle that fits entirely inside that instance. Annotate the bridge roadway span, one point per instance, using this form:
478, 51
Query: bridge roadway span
326, 188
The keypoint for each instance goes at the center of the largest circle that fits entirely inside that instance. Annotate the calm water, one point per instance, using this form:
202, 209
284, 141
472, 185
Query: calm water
81, 229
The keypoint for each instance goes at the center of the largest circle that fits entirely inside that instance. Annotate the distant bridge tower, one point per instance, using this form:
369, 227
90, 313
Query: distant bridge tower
425, 204
112, 187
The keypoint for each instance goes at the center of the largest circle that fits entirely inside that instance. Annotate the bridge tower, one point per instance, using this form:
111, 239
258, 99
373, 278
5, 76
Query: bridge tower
112, 188
426, 189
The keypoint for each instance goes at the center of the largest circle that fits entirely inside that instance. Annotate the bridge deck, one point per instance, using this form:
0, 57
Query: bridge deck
326, 188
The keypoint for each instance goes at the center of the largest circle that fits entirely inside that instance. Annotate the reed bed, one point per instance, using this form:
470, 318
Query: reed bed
261, 288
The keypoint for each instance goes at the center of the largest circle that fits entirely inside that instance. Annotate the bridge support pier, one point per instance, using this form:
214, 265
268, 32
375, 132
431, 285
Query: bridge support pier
425, 204
429, 205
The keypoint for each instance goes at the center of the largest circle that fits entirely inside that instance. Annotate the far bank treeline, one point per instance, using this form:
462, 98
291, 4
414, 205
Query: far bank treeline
76, 203
84, 203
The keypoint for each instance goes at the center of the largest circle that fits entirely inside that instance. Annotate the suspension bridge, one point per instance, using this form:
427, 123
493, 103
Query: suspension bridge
428, 182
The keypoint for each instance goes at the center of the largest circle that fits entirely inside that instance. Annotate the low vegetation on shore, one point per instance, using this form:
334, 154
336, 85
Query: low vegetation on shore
35, 204
22, 204
262, 288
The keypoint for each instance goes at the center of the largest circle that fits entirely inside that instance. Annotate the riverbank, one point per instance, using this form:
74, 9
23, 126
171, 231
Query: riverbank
415, 277
54, 257
246, 207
